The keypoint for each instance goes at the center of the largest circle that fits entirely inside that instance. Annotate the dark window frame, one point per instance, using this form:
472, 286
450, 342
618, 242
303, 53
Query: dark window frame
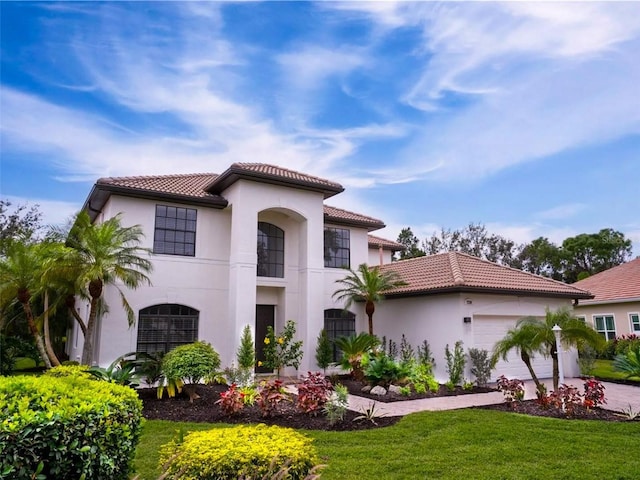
175, 231
270, 250
337, 247
166, 325
338, 323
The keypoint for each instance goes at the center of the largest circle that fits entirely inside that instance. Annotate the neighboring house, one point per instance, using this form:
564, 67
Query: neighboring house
615, 309
454, 296
257, 246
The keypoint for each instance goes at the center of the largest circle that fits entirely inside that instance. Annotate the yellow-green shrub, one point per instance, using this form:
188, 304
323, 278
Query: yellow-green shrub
69, 371
247, 450
67, 427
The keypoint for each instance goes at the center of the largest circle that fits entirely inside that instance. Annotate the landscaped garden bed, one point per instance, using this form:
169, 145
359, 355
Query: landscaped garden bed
205, 409
534, 408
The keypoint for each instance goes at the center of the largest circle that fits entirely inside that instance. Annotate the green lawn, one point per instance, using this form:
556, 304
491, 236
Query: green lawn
478, 444
603, 369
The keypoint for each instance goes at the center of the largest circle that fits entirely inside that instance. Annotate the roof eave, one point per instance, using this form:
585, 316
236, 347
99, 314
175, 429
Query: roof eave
606, 302
498, 291
234, 173
370, 226
101, 192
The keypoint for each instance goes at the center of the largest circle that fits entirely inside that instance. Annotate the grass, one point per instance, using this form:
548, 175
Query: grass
603, 369
468, 443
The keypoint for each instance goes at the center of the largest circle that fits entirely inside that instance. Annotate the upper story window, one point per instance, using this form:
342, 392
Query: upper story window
337, 248
175, 231
605, 326
270, 250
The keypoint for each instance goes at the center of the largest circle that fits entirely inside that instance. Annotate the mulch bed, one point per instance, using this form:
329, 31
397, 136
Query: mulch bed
204, 409
355, 388
532, 407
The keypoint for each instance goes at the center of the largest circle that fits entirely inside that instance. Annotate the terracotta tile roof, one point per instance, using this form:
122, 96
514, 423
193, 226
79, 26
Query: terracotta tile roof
273, 174
616, 284
345, 217
386, 244
191, 185
454, 271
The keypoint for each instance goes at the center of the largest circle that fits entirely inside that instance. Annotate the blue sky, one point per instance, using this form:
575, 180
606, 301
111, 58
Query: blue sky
522, 116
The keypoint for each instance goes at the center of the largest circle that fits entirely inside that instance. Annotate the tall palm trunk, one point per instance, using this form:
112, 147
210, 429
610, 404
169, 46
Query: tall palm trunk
70, 302
556, 368
47, 338
527, 361
369, 308
95, 291
23, 297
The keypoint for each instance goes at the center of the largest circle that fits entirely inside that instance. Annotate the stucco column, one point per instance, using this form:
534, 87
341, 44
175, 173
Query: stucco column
311, 289
242, 273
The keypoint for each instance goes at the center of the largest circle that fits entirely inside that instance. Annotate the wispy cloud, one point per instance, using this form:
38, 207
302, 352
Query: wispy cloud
561, 212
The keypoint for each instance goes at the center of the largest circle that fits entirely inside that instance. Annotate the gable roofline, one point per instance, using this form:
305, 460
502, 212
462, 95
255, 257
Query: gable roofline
265, 173
459, 272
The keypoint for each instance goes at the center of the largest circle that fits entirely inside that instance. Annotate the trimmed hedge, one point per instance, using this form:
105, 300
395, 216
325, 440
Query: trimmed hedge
67, 427
191, 363
248, 451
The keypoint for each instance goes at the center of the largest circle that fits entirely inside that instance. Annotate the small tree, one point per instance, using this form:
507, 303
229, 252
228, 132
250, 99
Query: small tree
324, 351
246, 354
455, 362
282, 351
480, 365
190, 364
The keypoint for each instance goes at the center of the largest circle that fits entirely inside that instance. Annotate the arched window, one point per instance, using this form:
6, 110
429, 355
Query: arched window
270, 250
164, 327
338, 323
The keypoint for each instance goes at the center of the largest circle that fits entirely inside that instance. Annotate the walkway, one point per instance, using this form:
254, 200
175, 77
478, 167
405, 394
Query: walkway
619, 397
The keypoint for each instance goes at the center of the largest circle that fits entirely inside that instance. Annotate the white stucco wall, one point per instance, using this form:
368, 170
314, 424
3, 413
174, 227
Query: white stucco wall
374, 256
439, 320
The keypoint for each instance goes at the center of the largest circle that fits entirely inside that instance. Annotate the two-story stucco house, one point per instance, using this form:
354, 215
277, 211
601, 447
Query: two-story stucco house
257, 245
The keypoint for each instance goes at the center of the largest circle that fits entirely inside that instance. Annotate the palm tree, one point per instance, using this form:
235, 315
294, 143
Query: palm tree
536, 335
367, 285
105, 254
522, 341
21, 271
353, 348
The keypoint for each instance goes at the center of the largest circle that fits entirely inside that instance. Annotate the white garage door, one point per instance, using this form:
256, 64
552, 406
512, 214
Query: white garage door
488, 330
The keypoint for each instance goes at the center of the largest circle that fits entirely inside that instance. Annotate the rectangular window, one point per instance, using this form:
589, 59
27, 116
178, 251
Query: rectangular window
338, 323
634, 318
605, 325
337, 248
175, 231
582, 318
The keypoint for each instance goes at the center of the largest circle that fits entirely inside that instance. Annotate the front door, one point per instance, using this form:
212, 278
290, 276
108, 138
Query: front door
265, 317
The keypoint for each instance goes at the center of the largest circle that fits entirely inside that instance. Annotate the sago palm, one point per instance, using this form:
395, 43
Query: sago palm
105, 254
367, 285
629, 362
353, 348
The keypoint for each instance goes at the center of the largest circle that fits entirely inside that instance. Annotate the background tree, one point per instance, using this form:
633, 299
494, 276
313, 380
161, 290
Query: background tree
542, 257
367, 285
324, 351
411, 245
18, 223
105, 254
474, 239
587, 254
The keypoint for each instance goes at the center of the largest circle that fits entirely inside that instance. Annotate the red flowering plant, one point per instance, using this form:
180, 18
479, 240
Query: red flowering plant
593, 393
231, 401
513, 390
270, 396
313, 393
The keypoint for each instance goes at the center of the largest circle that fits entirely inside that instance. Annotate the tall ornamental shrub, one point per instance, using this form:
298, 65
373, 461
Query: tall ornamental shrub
246, 354
67, 427
281, 350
